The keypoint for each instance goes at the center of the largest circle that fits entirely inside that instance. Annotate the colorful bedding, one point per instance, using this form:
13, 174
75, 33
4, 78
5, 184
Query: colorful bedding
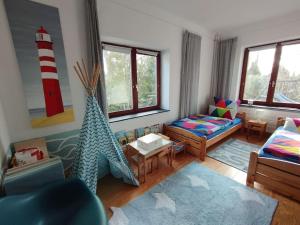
284, 145
202, 124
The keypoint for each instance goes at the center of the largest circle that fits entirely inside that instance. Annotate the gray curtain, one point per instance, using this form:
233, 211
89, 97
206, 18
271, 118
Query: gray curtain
95, 55
222, 67
190, 71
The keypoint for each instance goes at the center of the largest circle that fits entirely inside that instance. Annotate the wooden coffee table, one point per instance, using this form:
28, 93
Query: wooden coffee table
258, 126
146, 154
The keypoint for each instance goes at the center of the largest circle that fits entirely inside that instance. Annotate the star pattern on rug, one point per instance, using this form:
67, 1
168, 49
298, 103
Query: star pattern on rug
246, 195
164, 201
198, 182
118, 217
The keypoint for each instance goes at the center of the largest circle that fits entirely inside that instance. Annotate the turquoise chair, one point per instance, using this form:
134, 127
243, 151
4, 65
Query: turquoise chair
61, 203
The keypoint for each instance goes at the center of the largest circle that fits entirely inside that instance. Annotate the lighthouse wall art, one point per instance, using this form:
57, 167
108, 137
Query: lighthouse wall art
38, 42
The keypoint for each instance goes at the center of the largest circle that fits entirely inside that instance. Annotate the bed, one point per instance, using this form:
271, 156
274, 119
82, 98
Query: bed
274, 168
198, 142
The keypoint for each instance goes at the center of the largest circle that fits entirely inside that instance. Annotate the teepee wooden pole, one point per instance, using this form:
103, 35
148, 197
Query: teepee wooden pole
89, 82
81, 79
93, 74
85, 71
82, 74
79, 73
96, 76
93, 77
85, 78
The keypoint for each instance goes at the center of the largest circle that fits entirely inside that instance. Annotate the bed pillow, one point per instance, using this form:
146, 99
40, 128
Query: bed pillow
292, 124
222, 112
226, 103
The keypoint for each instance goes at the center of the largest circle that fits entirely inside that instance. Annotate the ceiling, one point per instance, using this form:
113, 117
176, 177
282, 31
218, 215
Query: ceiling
227, 14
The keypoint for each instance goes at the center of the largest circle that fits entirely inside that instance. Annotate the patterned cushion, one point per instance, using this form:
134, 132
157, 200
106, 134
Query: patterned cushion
223, 103
226, 103
222, 112
292, 124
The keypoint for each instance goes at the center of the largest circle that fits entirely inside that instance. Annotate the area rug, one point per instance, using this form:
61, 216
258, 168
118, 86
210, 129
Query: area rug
196, 195
235, 153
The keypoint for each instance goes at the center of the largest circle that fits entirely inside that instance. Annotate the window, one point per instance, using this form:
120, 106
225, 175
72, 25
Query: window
271, 75
132, 79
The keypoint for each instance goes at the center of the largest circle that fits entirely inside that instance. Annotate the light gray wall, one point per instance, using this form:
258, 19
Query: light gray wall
279, 29
136, 23
119, 23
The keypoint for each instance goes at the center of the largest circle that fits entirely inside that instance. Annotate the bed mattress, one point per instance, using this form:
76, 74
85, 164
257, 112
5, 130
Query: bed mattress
205, 126
283, 145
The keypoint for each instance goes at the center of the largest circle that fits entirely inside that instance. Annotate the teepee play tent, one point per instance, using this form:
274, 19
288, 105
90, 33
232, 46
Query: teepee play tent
97, 139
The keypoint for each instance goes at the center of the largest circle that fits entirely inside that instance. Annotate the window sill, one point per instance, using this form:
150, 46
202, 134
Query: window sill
137, 115
271, 108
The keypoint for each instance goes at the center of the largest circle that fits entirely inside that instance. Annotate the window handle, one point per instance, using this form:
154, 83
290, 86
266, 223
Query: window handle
273, 84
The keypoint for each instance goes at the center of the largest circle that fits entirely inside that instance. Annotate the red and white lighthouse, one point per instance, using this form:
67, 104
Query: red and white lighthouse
52, 92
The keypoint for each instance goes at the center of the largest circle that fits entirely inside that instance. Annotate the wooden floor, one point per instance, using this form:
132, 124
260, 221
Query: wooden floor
115, 193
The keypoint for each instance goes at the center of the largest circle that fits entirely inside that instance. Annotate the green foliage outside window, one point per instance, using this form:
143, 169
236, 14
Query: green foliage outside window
146, 75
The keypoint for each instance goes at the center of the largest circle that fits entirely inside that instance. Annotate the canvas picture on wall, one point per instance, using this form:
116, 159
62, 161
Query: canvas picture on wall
38, 42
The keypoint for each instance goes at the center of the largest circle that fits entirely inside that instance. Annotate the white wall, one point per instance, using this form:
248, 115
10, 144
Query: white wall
278, 29
135, 24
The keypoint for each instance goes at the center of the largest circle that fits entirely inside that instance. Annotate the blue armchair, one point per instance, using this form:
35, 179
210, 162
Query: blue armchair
69, 202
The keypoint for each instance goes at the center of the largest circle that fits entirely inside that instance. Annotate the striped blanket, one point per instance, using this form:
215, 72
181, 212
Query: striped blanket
202, 124
284, 145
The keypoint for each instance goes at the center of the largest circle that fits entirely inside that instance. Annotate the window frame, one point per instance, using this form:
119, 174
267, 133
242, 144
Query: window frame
274, 74
133, 54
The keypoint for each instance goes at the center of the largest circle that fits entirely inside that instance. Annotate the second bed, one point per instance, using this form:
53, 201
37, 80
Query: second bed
201, 131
